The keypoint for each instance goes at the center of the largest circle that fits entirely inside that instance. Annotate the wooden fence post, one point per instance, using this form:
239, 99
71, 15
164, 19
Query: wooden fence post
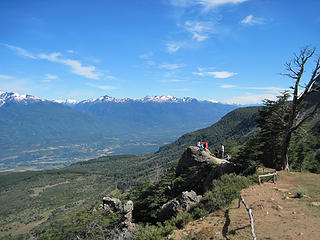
250, 216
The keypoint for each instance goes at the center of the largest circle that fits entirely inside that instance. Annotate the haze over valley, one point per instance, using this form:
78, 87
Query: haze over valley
42, 134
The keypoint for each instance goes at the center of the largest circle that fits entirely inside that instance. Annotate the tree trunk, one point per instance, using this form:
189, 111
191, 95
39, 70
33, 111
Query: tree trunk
285, 148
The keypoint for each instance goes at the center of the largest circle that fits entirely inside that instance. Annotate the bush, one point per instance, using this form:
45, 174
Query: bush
85, 224
161, 230
300, 192
223, 192
154, 232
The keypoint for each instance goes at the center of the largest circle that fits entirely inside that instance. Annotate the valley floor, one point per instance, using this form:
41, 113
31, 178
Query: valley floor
277, 214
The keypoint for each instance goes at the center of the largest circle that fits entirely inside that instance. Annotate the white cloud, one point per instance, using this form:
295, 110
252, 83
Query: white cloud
222, 74
51, 77
146, 55
21, 51
173, 66
269, 89
200, 30
250, 99
228, 86
103, 87
5, 77
110, 78
71, 51
173, 47
172, 80
199, 73
206, 4
251, 20
215, 74
76, 66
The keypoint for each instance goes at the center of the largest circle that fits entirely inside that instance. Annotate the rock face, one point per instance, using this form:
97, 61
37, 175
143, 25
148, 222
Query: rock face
127, 211
199, 168
180, 203
193, 157
112, 203
126, 227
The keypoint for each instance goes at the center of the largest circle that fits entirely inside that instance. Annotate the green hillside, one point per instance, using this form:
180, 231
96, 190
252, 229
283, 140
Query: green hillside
43, 121
237, 125
29, 199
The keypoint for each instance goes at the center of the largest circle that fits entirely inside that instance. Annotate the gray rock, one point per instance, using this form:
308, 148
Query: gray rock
114, 203
315, 204
180, 203
199, 168
193, 157
128, 207
187, 198
127, 211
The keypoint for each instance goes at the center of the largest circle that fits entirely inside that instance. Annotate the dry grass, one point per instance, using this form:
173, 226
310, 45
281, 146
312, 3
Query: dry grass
277, 214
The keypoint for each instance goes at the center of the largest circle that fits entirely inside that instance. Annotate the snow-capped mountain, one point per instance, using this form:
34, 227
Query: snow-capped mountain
6, 97
152, 99
9, 97
68, 102
105, 99
167, 99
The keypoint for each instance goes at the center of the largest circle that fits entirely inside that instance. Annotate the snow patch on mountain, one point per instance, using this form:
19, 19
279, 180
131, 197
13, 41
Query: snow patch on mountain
153, 99
67, 101
7, 97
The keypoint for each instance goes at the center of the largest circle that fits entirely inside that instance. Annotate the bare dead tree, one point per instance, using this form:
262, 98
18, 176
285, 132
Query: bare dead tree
296, 69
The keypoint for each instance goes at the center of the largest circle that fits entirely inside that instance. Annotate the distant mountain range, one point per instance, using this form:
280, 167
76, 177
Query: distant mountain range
46, 119
118, 126
9, 97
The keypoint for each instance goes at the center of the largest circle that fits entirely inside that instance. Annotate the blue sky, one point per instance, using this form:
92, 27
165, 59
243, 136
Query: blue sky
232, 51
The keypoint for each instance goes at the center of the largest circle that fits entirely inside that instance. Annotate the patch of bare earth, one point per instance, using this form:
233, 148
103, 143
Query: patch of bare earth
277, 214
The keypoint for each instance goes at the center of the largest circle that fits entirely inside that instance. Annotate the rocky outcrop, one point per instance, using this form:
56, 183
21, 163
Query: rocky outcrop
193, 156
198, 169
127, 212
180, 203
126, 227
113, 204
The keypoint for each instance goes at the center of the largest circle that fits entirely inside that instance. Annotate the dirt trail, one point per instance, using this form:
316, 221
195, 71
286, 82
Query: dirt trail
277, 214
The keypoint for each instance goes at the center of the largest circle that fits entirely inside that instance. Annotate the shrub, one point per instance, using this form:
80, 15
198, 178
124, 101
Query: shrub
154, 232
300, 192
223, 192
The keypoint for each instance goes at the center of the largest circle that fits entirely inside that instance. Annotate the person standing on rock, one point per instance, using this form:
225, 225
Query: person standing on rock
222, 150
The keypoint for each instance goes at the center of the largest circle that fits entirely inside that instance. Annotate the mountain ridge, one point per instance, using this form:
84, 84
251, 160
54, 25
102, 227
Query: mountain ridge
6, 97
34, 130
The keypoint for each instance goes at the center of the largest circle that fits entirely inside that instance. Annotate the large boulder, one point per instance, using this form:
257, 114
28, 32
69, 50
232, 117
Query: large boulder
193, 156
127, 211
113, 203
197, 168
180, 203
125, 227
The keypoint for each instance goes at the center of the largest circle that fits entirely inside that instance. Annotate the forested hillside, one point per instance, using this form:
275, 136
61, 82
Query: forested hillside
51, 195
48, 195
